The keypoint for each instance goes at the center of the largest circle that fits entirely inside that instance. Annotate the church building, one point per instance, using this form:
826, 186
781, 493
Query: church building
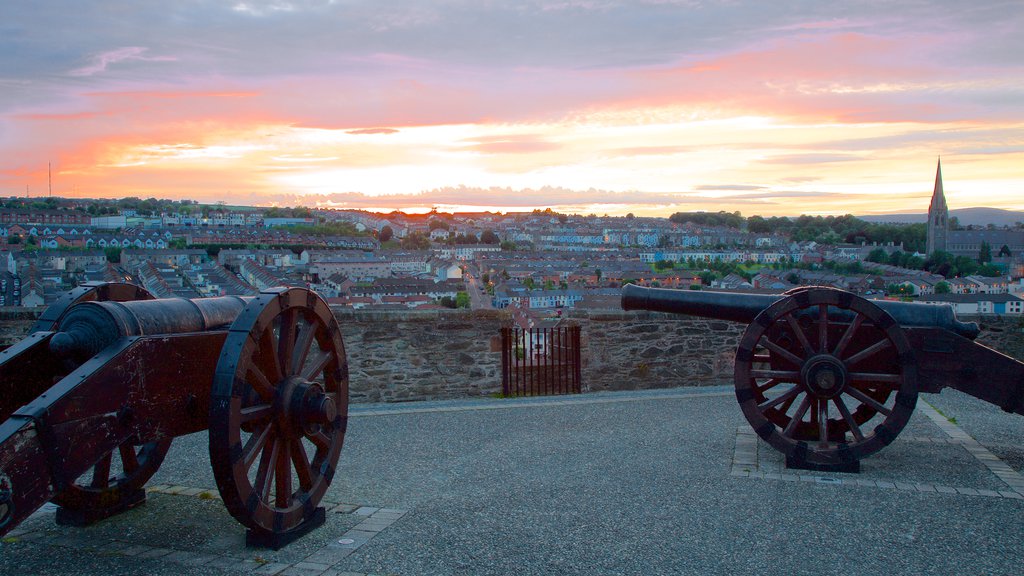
1007, 246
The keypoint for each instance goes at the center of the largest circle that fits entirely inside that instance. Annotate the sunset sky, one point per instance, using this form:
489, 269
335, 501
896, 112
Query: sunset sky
587, 106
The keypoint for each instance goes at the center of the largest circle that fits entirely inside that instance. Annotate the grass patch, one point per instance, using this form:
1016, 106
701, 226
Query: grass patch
951, 419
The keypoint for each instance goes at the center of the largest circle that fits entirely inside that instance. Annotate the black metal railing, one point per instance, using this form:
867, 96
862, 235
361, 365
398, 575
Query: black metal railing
540, 361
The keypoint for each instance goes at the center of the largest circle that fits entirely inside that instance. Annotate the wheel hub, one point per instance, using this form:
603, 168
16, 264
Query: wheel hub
824, 376
303, 408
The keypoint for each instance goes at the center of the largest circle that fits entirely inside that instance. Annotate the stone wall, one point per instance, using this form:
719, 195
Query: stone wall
645, 350
439, 354
422, 355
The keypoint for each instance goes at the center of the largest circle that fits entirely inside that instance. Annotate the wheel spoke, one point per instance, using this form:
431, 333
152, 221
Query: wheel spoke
307, 332
789, 395
129, 459
316, 365
847, 336
260, 412
263, 478
868, 352
795, 327
101, 472
854, 427
254, 446
266, 356
823, 328
784, 408
768, 385
302, 467
259, 382
786, 354
785, 375
283, 476
286, 340
798, 416
320, 440
865, 399
822, 420
761, 359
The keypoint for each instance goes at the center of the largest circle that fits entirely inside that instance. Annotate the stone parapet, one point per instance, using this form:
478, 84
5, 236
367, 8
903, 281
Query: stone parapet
397, 356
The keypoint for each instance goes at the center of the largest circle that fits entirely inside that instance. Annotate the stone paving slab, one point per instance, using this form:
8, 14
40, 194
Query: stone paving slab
611, 484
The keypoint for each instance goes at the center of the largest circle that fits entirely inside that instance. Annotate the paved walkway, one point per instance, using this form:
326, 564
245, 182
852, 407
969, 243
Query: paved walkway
667, 482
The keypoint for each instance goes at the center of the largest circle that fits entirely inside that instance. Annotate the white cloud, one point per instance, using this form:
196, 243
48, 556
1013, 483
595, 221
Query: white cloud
100, 62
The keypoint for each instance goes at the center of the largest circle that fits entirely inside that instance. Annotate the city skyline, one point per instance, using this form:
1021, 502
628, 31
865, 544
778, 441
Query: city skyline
581, 106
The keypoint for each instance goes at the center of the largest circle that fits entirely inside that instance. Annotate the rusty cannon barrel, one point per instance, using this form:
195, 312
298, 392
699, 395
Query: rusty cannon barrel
92, 326
739, 307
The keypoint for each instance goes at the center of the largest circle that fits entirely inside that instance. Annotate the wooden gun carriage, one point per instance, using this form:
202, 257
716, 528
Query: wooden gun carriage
90, 401
828, 378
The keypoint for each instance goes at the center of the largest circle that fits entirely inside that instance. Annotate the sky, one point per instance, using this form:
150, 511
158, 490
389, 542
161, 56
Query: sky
584, 106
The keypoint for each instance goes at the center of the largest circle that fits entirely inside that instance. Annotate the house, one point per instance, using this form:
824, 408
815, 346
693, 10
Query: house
1000, 304
447, 271
263, 277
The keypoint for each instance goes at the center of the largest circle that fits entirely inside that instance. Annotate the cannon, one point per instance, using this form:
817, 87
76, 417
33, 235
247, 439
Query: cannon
828, 377
91, 399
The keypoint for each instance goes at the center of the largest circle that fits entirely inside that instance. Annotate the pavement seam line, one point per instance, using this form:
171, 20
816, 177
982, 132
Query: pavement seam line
1007, 475
534, 404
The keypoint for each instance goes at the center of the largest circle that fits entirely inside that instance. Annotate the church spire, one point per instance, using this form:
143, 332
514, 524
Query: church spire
938, 215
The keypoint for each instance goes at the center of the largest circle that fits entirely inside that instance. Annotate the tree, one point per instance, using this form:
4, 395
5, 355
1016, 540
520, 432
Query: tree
113, 255
758, 225
942, 288
985, 254
461, 299
1004, 252
436, 223
878, 255
900, 290
416, 241
489, 237
386, 233
508, 246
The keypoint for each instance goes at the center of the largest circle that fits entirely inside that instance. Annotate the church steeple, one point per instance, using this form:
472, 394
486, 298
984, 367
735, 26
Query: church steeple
938, 215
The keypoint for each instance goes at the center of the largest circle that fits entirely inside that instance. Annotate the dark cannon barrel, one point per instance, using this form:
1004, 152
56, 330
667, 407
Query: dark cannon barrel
91, 326
738, 307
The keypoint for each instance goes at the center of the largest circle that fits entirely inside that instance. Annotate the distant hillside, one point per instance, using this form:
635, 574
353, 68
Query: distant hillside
966, 216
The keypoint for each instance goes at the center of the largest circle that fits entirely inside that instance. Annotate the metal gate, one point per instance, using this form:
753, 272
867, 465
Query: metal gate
540, 361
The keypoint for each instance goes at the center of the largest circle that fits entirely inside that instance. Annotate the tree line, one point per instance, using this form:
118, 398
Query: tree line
821, 229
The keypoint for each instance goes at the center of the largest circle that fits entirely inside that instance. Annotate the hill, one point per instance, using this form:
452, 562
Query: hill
979, 216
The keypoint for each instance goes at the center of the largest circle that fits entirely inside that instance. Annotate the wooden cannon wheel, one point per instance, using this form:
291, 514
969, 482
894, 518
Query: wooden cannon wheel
816, 369
121, 474
279, 410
